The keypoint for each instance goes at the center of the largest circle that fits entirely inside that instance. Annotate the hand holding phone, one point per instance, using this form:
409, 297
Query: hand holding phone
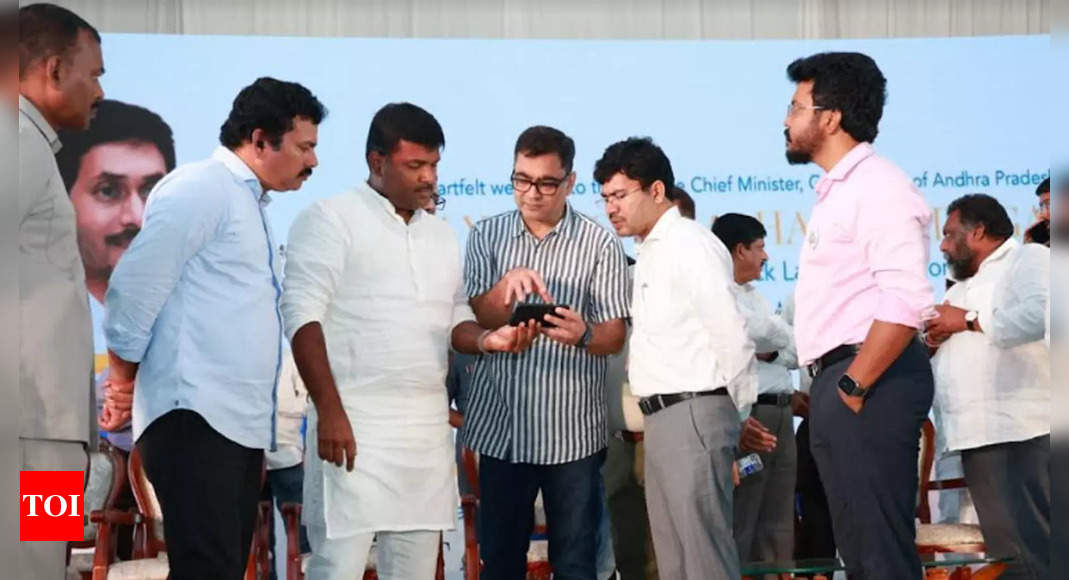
525, 311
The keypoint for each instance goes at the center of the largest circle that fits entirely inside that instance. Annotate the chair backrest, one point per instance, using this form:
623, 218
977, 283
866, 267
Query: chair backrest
147, 504
925, 459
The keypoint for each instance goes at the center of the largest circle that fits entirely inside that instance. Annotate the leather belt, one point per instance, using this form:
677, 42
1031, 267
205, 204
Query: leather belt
835, 355
652, 404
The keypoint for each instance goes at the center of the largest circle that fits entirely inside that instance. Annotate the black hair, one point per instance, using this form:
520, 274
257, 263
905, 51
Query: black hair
1043, 187
46, 30
270, 105
980, 209
736, 228
684, 200
114, 122
403, 121
542, 140
638, 158
848, 82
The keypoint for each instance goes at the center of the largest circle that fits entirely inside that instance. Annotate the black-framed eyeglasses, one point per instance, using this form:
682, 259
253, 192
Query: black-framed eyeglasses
542, 186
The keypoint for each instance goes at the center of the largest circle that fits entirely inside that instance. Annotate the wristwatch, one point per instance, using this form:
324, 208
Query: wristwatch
970, 319
849, 386
585, 339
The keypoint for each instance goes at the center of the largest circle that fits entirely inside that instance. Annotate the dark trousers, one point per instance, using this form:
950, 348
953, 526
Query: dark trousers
868, 463
1010, 487
208, 487
285, 485
570, 494
815, 538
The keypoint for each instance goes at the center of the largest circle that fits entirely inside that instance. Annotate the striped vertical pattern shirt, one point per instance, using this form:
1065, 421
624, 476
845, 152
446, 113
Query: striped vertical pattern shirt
545, 405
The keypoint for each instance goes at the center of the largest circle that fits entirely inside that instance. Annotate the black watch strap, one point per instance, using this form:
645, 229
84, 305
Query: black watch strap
584, 340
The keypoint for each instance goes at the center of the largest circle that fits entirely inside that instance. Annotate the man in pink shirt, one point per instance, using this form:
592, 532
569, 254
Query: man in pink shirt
862, 293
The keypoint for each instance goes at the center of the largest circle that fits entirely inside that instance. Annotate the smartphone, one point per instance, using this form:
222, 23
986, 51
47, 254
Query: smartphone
524, 311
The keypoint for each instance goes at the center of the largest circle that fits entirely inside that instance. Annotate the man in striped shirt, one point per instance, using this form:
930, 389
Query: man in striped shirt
538, 418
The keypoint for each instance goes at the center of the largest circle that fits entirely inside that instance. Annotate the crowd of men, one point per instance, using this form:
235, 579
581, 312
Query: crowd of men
375, 301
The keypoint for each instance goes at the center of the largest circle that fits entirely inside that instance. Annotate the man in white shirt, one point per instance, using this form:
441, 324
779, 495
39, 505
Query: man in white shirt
764, 501
689, 362
375, 281
992, 377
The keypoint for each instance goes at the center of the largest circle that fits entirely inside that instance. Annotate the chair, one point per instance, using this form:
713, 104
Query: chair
945, 538
106, 482
538, 566
149, 561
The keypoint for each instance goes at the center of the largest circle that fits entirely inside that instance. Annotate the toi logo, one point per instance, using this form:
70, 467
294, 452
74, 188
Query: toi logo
52, 505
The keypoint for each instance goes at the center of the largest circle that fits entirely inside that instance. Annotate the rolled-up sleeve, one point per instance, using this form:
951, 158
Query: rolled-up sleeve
181, 217
315, 257
1018, 313
894, 230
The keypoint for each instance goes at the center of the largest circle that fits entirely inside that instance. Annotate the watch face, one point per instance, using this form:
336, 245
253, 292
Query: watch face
847, 385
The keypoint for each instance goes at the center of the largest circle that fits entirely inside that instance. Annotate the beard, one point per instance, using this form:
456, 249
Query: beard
961, 263
800, 149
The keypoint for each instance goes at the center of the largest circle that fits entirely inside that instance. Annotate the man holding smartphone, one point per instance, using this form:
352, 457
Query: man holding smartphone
538, 418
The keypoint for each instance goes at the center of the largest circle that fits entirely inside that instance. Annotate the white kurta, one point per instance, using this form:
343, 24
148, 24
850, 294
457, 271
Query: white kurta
990, 386
387, 294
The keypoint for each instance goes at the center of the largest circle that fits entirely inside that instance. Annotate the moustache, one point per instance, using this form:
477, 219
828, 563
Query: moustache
123, 238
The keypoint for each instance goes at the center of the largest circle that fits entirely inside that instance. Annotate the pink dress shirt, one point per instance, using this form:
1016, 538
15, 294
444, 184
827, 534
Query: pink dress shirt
864, 257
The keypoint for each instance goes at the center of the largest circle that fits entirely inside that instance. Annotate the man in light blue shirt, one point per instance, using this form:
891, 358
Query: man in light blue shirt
193, 315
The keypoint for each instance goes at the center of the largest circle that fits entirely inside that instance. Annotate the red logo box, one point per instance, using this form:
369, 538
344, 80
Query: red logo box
51, 506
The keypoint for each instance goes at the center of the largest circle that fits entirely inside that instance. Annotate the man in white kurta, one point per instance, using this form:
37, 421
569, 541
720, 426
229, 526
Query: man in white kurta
376, 281
992, 379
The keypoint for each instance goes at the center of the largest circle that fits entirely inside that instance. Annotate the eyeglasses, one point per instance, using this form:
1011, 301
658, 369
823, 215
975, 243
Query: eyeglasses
615, 197
542, 186
439, 202
794, 107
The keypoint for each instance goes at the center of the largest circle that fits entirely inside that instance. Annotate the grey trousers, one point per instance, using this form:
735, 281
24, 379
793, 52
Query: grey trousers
690, 448
48, 560
764, 501
1010, 488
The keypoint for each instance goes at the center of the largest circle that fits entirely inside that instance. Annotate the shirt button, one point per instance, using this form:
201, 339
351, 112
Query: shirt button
176, 402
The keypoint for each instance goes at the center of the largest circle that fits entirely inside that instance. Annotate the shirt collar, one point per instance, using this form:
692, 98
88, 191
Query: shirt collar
563, 227
242, 171
1000, 252
34, 115
381, 201
844, 167
664, 225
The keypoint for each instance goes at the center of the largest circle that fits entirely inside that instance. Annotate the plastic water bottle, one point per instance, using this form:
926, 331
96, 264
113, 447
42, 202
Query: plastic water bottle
750, 465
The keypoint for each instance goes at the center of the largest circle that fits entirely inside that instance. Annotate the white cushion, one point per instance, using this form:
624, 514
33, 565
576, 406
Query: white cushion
81, 560
948, 534
147, 569
538, 551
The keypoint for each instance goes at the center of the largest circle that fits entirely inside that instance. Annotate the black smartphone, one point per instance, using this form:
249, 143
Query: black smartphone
524, 311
